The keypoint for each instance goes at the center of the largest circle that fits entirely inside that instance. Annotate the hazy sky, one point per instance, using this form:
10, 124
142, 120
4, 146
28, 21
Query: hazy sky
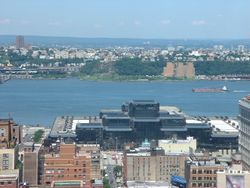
127, 18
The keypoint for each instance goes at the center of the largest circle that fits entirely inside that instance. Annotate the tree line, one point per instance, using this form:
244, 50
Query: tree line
221, 67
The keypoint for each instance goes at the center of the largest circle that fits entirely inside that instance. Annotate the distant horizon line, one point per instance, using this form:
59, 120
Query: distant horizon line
128, 38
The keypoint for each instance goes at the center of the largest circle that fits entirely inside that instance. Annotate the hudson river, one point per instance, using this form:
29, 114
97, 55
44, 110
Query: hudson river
40, 101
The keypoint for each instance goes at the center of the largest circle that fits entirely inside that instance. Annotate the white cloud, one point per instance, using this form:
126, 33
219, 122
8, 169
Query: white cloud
199, 22
165, 22
5, 21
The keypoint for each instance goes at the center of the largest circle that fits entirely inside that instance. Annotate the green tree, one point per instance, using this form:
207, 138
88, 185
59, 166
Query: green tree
38, 135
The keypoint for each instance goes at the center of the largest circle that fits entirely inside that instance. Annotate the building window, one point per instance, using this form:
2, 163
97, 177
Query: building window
5, 155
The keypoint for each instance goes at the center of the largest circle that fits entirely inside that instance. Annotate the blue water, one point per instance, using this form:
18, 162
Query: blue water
40, 101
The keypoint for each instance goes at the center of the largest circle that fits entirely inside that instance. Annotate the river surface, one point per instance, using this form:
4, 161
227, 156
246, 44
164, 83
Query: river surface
40, 101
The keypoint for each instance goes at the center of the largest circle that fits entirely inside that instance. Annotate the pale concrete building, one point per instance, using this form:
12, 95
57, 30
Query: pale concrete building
153, 166
8, 158
178, 146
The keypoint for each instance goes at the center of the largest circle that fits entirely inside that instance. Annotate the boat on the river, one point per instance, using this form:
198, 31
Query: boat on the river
210, 90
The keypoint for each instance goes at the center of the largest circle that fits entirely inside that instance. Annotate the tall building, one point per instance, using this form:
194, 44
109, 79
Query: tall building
20, 42
94, 151
244, 143
31, 163
68, 164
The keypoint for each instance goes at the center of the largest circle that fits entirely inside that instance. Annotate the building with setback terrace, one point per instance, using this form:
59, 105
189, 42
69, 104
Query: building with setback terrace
138, 120
135, 121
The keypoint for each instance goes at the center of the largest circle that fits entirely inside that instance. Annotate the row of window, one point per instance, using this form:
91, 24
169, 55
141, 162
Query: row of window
50, 177
204, 178
203, 184
195, 171
8, 182
59, 171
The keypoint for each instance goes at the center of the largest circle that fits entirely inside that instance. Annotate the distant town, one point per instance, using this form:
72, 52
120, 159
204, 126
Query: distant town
24, 61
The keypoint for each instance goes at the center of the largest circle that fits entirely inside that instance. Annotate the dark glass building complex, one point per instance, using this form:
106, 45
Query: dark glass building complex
136, 121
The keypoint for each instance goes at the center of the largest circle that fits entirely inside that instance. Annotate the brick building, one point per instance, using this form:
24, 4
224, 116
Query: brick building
68, 164
202, 172
10, 133
9, 179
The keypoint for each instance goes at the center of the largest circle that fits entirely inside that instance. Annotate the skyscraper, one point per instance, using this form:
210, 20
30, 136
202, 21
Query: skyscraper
20, 42
244, 143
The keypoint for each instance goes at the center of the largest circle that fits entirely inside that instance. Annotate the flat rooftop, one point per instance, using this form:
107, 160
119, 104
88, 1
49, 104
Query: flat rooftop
177, 141
222, 126
193, 121
144, 102
66, 125
139, 154
171, 110
148, 184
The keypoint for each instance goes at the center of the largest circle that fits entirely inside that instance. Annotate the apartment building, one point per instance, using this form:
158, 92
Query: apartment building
8, 158
68, 164
202, 172
153, 165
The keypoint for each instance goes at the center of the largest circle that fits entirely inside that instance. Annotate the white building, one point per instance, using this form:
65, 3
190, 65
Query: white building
178, 146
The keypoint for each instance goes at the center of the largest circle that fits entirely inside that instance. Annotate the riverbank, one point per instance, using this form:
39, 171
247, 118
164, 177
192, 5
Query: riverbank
123, 78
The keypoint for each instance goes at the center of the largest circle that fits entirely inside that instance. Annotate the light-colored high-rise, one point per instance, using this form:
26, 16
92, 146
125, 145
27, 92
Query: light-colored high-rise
244, 143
